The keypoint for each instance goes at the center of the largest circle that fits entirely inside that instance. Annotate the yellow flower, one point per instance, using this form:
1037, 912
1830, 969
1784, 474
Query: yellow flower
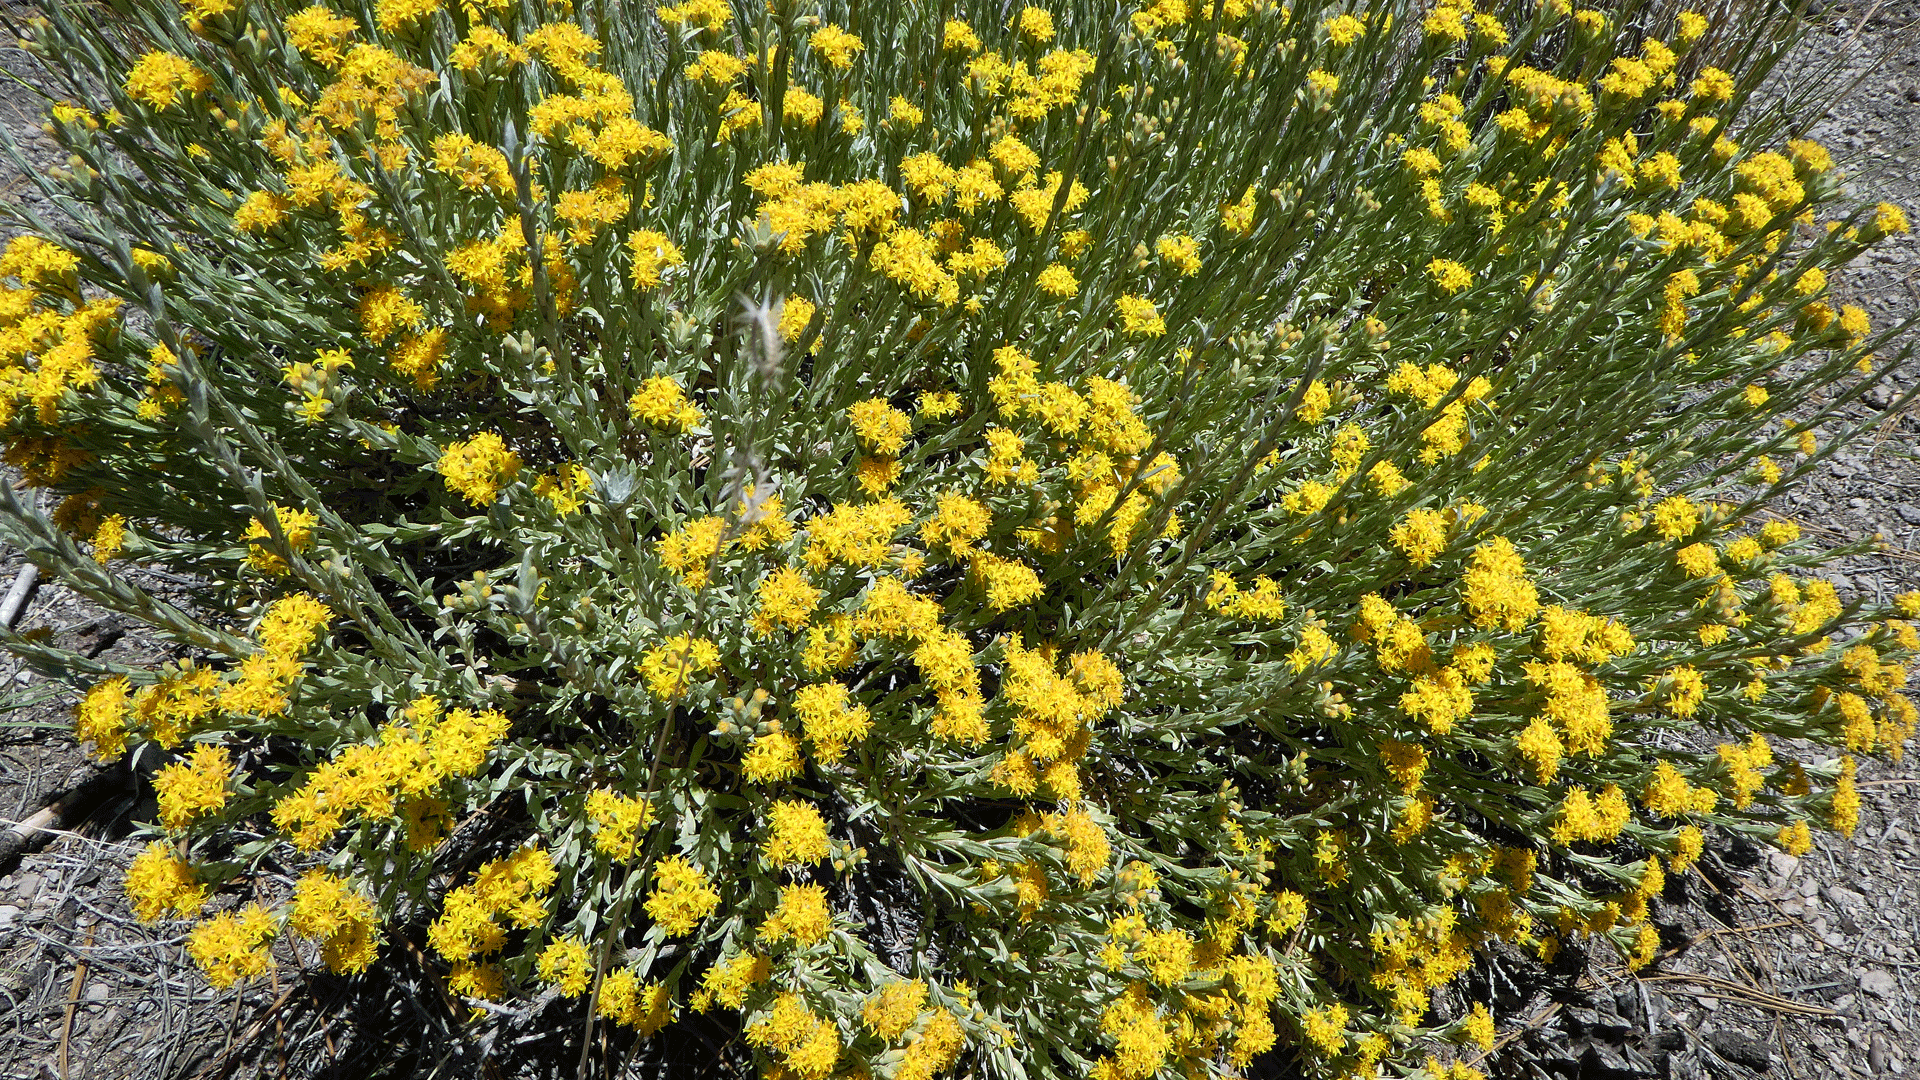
193, 788
163, 79
796, 834
712, 15
564, 965
829, 720
1326, 1028
802, 915
1181, 252
159, 882
418, 357
670, 667
102, 717
903, 112
1686, 690
479, 467
620, 821
1035, 24
625, 1000
662, 403
1008, 583
1675, 517
261, 212
652, 254
565, 488
960, 37
1698, 560
385, 311
715, 66
509, 888
1057, 280
1795, 839
773, 757
329, 909
891, 1010
1495, 588
320, 33
835, 45
1343, 30
808, 1044
881, 428
1889, 219
785, 601
728, 981
690, 550
802, 107
1713, 84
681, 896
475, 166
1139, 317
391, 15
795, 315
1540, 745
854, 535
1449, 275
292, 624
1421, 536
232, 946
1844, 815
1477, 1027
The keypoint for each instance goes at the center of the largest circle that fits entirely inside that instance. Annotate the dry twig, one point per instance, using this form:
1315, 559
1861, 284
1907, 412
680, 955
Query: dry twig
73, 1003
1740, 994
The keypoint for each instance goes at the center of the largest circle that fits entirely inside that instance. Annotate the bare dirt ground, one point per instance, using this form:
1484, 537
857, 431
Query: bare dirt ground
1774, 966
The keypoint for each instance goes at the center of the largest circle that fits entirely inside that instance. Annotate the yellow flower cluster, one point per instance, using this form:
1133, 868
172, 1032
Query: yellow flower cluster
329, 909
829, 721
1054, 714
232, 946
511, 889
162, 80
801, 915
670, 667
397, 776
622, 822
1261, 603
627, 1001
193, 788
796, 834
479, 467
682, 895
728, 982
564, 964
1585, 816
158, 882
296, 530
807, 1043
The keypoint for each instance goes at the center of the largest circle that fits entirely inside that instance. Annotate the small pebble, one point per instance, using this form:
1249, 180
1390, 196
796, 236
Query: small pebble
1783, 865
25, 888
1878, 981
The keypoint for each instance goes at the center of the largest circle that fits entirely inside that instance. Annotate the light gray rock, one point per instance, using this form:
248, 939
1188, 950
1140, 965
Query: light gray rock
1879, 982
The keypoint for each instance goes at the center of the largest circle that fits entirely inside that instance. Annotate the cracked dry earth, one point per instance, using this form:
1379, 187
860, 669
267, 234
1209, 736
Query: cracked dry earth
1773, 966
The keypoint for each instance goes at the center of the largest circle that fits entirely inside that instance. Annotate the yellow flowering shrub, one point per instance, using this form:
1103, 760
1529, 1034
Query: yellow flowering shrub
1226, 525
